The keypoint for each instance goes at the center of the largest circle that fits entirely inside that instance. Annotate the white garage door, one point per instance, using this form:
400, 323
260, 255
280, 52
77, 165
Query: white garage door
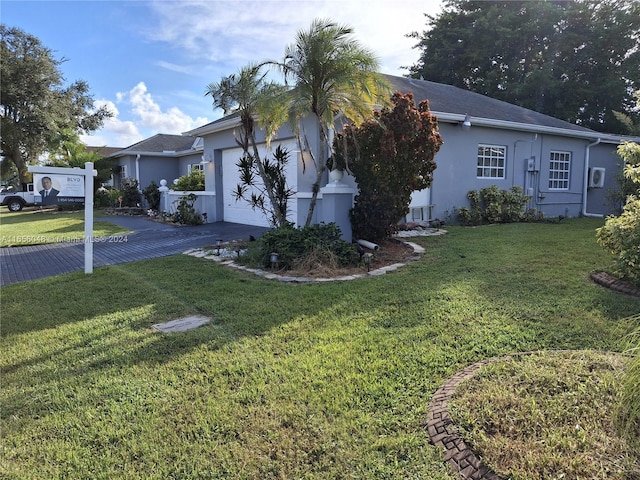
240, 211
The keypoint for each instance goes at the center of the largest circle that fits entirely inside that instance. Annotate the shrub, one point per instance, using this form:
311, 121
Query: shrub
491, 205
191, 182
152, 195
263, 184
185, 212
129, 193
295, 245
621, 235
628, 412
102, 198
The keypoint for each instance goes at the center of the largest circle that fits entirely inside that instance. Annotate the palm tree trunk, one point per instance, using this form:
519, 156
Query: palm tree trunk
320, 169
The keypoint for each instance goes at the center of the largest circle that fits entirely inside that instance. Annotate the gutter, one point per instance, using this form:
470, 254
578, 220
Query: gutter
585, 183
529, 127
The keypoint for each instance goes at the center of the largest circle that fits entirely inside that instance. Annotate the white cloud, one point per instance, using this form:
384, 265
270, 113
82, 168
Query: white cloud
148, 119
175, 68
235, 33
152, 117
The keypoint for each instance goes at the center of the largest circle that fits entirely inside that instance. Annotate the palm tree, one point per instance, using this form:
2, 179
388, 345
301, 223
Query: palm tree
253, 98
331, 75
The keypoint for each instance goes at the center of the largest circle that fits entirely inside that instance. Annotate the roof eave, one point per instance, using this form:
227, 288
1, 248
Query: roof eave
179, 153
527, 127
214, 127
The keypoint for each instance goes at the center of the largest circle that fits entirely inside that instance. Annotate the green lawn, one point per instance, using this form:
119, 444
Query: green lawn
34, 227
319, 381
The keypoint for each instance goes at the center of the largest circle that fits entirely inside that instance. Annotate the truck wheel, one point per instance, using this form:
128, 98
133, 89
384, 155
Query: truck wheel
15, 205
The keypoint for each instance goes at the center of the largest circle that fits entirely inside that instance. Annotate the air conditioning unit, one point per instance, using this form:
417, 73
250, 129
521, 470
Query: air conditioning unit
596, 177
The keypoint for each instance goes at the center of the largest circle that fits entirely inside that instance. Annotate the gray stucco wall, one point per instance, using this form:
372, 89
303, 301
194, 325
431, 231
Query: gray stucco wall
457, 163
156, 169
598, 199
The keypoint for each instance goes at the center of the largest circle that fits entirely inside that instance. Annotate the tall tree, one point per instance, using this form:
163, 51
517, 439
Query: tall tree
575, 60
331, 75
67, 150
255, 99
34, 104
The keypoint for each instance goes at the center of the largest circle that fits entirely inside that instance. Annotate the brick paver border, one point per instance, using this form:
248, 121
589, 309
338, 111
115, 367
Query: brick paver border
443, 432
609, 281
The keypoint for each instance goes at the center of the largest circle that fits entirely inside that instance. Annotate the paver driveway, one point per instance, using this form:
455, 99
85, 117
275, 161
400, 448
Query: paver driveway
148, 239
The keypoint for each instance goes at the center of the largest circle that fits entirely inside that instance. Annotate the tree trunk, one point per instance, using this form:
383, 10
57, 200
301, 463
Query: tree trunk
320, 169
21, 165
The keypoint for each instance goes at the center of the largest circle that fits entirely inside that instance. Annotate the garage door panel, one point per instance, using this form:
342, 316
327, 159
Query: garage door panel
240, 211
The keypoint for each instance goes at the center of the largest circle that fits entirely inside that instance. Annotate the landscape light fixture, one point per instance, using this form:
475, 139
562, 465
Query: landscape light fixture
218, 245
366, 258
274, 260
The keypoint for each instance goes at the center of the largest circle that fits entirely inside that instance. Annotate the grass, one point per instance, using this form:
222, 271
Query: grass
35, 227
547, 415
317, 381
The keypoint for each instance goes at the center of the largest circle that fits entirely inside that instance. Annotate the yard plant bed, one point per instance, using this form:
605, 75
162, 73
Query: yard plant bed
391, 251
315, 381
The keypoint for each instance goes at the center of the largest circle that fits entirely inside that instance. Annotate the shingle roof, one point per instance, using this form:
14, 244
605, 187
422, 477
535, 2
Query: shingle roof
449, 99
104, 151
161, 143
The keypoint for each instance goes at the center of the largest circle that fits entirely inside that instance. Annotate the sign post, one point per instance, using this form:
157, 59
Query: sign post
65, 186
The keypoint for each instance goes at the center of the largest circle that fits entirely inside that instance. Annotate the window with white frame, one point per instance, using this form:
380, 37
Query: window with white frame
491, 161
196, 166
559, 170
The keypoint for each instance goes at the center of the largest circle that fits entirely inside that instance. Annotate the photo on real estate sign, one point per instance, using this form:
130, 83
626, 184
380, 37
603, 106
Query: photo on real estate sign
51, 189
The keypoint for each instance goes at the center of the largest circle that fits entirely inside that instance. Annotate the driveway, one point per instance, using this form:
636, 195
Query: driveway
148, 239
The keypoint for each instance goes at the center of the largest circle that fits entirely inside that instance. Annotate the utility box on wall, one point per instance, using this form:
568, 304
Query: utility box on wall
596, 177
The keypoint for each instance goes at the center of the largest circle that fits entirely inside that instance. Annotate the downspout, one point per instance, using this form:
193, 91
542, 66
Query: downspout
138, 168
586, 181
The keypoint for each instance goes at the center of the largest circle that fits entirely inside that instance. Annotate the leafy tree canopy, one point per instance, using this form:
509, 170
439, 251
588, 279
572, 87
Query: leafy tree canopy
331, 74
35, 107
391, 155
575, 60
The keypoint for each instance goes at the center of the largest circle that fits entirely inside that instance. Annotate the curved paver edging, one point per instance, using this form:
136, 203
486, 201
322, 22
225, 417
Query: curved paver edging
418, 251
614, 283
444, 433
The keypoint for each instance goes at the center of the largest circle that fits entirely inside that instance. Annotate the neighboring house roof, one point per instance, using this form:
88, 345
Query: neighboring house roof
162, 144
223, 123
104, 151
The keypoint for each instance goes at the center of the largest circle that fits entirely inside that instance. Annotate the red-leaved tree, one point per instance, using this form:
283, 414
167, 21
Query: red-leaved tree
391, 155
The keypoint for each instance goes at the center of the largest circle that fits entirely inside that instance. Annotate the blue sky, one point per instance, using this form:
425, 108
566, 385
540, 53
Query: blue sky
150, 61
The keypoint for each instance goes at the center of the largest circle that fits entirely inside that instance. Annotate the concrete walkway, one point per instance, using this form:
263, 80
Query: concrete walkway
148, 239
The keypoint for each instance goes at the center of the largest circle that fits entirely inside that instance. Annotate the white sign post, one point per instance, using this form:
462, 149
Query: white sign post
88, 173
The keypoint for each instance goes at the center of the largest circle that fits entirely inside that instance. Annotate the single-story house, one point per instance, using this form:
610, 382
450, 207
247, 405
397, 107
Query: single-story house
159, 157
566, 169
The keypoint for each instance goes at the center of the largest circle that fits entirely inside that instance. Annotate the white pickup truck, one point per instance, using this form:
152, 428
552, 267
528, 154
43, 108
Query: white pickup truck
15, 200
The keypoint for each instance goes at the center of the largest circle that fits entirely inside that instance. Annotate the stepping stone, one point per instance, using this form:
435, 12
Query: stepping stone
182, 324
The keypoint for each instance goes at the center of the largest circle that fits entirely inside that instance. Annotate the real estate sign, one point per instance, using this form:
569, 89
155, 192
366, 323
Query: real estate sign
56, 185
55, 189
